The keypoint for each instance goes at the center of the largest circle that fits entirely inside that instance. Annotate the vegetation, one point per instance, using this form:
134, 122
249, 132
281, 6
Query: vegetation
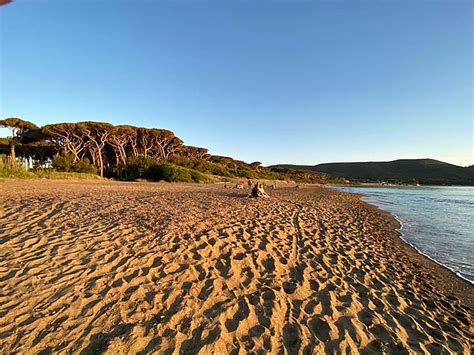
66, 162
405, 171
170, 172
19, 128
153, 169
9, 170
305, 176
124, 152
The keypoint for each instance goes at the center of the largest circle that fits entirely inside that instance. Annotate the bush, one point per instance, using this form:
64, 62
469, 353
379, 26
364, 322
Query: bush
173, 173
199, 177
65, 163
137, 166
168, 172
216, 169
184, 162
12, 169
18, 171
201, 166
246, 173
84, 166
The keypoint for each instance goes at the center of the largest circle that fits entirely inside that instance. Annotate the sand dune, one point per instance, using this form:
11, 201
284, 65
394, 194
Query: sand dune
136, 267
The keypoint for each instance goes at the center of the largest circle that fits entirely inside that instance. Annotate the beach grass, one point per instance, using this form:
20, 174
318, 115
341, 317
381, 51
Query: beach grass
17, 171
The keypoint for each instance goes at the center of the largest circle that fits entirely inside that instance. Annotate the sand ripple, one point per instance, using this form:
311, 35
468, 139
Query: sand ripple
187, 268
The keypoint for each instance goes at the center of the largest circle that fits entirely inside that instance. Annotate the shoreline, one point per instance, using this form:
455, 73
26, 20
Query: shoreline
370, 184
399, 230
446, 279
458, 286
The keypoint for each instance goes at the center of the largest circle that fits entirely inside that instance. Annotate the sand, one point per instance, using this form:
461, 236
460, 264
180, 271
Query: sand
142, 267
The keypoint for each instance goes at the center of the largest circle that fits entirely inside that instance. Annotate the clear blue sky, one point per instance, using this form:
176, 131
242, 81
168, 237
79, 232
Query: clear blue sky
275, 81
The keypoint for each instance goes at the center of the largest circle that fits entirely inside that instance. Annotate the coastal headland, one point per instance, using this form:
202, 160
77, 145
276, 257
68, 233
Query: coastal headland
89, 266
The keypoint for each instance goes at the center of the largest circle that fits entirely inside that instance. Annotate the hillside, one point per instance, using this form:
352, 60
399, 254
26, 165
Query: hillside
424, 171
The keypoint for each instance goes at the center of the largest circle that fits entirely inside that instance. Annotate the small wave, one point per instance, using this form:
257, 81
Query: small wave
403, 238
413, 228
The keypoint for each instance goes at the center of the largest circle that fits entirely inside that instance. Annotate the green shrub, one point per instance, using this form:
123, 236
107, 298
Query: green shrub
202, 166
173, 173
199, 177
184, 162
18, 171
65, 163
216, 169
12, 169
84, 166
246, 173
137, 166
168, 172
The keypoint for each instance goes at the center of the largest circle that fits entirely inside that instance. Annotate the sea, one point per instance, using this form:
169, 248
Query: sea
437, 220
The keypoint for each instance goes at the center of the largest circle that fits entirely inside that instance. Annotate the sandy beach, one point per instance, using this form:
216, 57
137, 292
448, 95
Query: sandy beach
175, 268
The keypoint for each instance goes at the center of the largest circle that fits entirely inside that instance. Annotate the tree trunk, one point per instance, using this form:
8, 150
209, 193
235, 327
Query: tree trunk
12, 152
119, 165
101, 164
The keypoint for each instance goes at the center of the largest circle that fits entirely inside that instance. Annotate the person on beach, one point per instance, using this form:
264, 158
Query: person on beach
258, 191
254, 192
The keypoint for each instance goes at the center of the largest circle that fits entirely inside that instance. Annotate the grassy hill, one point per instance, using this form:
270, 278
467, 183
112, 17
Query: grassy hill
424, 171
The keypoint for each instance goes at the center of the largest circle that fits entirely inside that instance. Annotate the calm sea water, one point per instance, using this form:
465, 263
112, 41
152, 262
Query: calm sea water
438, 221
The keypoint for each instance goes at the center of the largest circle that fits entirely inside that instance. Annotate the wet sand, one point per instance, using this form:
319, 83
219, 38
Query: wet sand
152, 267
